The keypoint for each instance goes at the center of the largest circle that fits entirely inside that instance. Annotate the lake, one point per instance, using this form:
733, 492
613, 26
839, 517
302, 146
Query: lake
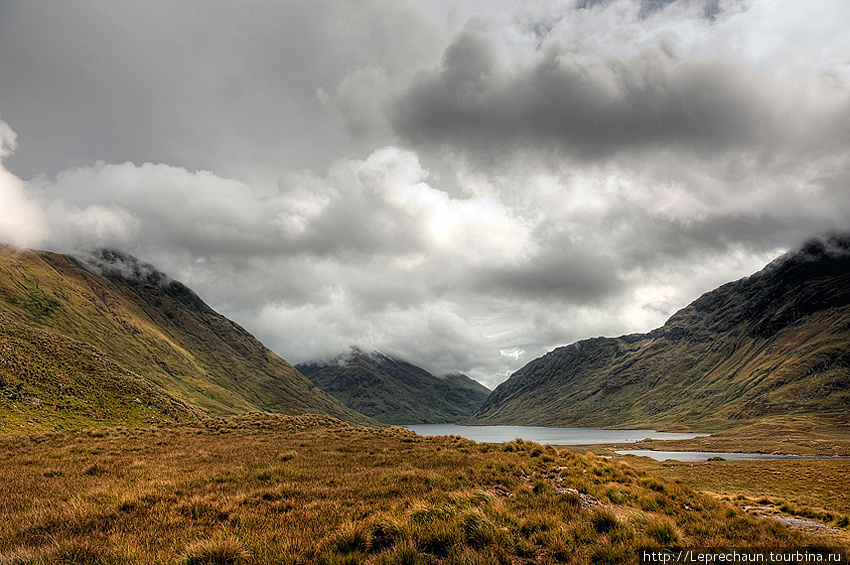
554, 436
588, 436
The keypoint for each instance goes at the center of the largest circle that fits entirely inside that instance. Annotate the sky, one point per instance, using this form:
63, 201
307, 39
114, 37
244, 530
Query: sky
463, 185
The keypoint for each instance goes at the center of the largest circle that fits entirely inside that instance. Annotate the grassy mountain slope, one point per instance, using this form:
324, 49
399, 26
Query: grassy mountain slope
770, 347
156, 328
48, 381
395, 392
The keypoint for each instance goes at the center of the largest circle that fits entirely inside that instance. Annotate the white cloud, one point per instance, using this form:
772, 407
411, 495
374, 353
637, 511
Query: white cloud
22, 221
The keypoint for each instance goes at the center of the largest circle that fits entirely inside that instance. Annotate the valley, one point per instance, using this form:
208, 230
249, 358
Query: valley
424, 282
767, 352
140, 426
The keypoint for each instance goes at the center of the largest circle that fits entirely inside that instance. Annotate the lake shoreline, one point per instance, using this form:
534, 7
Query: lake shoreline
781, 438
547, 435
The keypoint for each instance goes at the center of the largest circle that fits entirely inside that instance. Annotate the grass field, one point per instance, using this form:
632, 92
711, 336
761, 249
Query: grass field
815, 489
284, 490
813, 483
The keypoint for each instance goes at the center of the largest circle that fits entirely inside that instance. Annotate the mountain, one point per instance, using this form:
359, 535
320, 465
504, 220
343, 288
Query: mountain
147, 327
393, 391
774, 346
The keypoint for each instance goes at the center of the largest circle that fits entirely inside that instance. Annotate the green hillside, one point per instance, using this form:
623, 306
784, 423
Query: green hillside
48, 381
396, 392
155, 328
774, 346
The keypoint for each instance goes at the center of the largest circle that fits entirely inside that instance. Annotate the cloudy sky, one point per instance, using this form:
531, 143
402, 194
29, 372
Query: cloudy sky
463, 184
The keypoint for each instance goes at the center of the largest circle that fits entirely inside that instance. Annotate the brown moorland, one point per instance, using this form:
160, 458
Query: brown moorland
811, 489
261, 489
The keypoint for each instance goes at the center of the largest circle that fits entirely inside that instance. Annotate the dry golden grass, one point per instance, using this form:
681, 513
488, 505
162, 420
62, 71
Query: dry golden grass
284, 490
814, 483
814, 489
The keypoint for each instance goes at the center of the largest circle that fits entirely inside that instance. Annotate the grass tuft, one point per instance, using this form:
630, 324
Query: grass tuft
608, 555
478, 530
662, 532
404, 554
95, 470
352, 538
604, 520
386, 533
221, 550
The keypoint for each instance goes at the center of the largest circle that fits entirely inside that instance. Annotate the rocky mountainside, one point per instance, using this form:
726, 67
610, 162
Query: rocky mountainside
393, 391
145, 326
775, 345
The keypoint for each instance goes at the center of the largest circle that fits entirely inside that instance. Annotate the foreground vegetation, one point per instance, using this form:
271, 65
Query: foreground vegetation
310, 489
813, 489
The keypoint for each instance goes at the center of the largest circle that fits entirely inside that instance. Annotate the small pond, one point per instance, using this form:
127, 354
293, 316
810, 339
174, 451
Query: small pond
694, 456
697, 456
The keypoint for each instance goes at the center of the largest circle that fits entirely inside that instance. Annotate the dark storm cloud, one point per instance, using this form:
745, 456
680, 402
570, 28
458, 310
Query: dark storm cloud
564, 273
580, 103
661, 242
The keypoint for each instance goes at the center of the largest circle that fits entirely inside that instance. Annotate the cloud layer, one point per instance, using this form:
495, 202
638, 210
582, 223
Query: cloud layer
462, 186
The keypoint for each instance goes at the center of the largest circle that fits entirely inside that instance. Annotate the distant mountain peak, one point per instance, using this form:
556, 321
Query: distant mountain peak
394, 391
355, 354
815, 250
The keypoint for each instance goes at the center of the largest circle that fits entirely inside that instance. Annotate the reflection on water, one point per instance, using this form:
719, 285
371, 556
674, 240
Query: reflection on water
555, 436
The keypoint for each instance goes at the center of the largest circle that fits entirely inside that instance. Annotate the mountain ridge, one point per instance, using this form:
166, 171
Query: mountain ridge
770, 345
157, 328
394, 391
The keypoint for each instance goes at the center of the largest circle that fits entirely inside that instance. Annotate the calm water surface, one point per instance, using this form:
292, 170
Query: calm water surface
555, 436
587, 436
696, 456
